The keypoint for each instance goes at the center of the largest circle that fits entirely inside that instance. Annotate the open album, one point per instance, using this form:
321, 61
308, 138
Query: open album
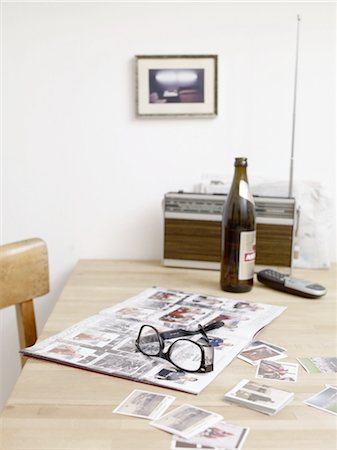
106, 342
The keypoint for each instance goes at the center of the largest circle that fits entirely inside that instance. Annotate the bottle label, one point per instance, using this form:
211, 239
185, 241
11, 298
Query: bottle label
244, 191
247, 255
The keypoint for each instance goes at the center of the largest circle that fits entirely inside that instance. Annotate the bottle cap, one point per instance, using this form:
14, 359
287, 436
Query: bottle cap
241, 161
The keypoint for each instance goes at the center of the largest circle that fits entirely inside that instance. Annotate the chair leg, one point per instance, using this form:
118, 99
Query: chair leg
26, 324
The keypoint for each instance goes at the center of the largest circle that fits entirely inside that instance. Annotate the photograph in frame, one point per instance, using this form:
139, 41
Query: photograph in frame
176, 85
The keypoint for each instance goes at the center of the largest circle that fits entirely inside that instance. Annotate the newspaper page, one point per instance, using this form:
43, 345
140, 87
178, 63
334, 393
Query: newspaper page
106, 342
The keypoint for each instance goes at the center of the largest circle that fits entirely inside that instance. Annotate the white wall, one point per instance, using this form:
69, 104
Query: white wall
82, 172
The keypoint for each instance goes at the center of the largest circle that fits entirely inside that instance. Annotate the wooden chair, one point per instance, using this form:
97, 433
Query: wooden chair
24, 275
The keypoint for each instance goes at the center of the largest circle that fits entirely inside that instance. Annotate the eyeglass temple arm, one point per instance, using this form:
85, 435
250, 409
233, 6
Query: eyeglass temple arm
213, 326
179, 332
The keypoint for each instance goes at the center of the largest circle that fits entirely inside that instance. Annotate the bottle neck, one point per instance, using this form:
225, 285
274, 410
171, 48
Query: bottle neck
240, 173
240, 186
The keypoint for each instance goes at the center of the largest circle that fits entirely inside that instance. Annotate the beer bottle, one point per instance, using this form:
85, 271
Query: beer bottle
238, 234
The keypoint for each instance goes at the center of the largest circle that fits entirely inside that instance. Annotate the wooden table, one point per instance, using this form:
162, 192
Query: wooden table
57, 407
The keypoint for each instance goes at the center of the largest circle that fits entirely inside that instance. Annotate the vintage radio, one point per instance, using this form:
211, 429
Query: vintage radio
192, 231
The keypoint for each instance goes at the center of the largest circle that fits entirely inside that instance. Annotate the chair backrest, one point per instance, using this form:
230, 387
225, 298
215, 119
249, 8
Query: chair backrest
24, 275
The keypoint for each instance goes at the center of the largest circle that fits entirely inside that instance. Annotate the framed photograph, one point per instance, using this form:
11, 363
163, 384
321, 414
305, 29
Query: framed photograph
177, 85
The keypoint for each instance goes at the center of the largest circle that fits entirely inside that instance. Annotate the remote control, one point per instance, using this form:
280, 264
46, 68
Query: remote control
286, 283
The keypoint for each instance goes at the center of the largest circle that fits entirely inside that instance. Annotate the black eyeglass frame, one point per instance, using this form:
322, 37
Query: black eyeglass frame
203, 368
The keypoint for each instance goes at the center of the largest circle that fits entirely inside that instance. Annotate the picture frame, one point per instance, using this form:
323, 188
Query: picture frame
177, 85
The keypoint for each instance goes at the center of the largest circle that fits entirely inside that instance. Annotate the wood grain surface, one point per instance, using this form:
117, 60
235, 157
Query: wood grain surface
57, 407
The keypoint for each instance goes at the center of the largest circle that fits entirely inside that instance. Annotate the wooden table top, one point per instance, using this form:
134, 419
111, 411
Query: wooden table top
58, 407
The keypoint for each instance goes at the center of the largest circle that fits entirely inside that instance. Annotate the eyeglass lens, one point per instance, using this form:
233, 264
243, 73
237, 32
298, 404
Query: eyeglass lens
185, 354
148, 341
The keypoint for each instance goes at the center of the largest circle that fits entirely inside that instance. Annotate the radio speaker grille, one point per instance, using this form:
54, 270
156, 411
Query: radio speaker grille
201, 240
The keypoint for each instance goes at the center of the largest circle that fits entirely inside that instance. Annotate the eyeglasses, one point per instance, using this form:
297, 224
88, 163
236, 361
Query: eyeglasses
185, 354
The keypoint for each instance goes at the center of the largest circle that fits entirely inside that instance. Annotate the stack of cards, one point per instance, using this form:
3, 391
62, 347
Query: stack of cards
260, 397
190, 426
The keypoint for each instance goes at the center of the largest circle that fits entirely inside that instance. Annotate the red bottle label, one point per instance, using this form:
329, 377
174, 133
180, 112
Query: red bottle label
247, 255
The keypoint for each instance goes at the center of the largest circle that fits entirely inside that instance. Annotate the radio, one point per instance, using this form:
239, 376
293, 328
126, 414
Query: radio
192, 231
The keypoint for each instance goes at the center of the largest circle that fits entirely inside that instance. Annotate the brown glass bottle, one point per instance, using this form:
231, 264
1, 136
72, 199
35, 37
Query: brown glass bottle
238, 234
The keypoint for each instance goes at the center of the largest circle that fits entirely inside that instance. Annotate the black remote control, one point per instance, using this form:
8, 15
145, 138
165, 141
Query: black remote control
286, 283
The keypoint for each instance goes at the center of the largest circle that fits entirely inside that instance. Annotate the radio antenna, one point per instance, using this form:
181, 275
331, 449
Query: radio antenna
290, 193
